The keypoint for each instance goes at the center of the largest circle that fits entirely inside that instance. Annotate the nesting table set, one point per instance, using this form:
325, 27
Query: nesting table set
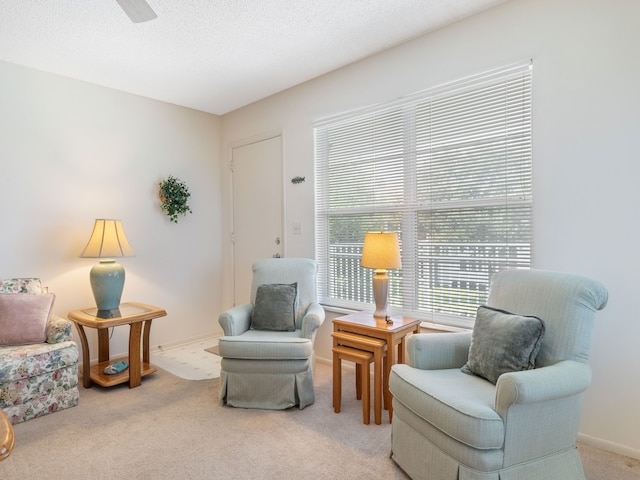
364, 339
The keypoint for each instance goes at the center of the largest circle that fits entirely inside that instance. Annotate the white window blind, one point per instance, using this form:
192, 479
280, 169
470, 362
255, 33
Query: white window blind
450, 170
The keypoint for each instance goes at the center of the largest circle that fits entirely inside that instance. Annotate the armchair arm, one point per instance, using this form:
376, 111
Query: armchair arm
236, 320
58, 329
436, 351
562, 379
312, 320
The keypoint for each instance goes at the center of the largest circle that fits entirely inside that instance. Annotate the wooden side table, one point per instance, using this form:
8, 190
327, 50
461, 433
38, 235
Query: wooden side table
394, 333
133, 314
7, 438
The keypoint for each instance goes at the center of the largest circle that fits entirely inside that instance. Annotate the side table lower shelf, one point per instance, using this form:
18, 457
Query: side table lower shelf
99, 377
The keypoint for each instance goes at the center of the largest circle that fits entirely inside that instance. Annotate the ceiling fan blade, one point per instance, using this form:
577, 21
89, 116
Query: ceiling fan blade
138, 10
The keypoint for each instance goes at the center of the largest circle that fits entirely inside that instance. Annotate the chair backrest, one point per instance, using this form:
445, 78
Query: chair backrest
304, 271
565, 302
22, 285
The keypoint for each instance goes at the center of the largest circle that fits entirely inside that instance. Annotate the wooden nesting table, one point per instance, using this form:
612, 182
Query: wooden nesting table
393, 333
133, 314
7, 438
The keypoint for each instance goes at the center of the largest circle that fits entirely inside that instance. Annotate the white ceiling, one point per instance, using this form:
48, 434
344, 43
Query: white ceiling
213, 55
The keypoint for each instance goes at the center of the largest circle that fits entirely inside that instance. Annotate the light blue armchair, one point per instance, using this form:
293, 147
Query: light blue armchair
272, 368
448, 425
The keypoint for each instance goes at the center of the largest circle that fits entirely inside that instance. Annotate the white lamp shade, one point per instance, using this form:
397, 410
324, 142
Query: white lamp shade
381, 250
108, 240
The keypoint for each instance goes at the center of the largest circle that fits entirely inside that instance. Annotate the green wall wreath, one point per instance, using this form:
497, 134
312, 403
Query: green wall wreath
174, 195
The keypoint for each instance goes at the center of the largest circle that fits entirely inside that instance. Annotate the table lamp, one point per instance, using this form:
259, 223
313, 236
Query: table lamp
107, 277
381, 251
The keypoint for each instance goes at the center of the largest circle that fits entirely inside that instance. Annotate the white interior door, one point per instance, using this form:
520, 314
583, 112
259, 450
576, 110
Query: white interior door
257, 209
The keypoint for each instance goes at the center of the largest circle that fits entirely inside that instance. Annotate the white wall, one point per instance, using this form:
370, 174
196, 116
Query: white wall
71, 152
586, 124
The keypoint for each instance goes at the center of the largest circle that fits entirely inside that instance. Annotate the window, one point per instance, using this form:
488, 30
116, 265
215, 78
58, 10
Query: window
450, 170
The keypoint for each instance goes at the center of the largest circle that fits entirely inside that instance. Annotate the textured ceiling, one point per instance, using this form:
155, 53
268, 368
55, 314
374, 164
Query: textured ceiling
212, 55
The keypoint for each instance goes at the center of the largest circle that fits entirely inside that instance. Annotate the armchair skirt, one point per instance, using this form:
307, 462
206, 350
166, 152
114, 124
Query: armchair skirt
266, 370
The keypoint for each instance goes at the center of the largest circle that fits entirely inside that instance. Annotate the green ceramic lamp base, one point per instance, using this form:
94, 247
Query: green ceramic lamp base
107, 283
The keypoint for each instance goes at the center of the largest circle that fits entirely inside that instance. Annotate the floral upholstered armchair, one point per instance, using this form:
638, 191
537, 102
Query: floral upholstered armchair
38, 359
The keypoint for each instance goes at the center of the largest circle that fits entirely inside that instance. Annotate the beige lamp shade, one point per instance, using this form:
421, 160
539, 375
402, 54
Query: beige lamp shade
381, 250
108, 240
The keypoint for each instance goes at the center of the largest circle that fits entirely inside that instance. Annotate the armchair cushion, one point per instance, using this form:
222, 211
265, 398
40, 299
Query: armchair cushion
455, 404
275, 307
503, 342
20, 362
266, 345
23, 318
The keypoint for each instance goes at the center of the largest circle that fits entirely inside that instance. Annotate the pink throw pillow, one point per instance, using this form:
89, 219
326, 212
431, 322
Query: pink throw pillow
23, 318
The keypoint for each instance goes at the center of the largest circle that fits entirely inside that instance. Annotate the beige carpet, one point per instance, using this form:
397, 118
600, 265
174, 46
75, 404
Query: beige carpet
170, 428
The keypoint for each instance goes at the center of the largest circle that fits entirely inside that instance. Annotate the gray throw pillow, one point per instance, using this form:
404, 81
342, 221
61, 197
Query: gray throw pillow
503, 342
275, 307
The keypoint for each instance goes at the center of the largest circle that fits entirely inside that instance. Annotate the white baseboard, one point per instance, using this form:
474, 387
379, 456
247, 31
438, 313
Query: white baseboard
326, 361
180, 343
608, 446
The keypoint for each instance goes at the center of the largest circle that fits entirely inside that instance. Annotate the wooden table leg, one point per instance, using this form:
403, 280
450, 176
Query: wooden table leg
387, 370
86, 366
358, 382
377, 384
135, 368
365, 376
337, 382
103, 345
145, 342
401, 350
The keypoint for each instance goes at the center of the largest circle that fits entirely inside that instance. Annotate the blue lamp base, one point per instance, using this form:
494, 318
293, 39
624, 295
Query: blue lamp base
107, 283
